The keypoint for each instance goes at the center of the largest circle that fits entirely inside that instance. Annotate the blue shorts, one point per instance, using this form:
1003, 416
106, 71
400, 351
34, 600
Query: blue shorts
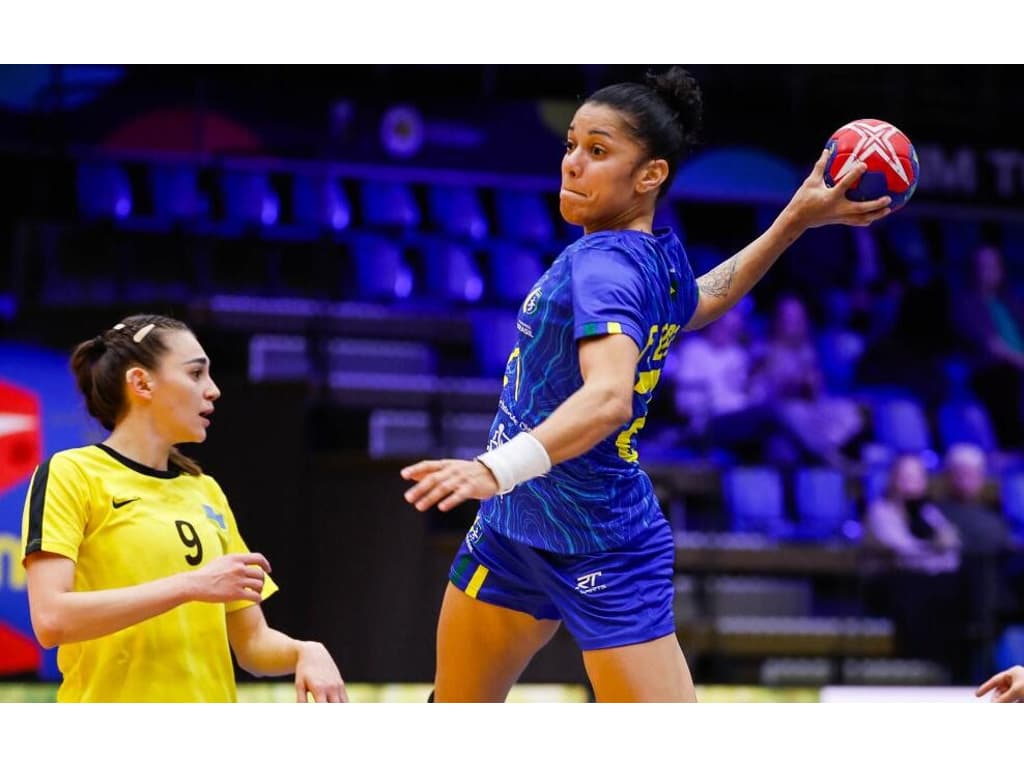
606, 599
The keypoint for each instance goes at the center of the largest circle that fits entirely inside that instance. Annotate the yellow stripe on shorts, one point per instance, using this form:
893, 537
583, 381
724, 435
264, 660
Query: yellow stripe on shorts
614, 327
477, 581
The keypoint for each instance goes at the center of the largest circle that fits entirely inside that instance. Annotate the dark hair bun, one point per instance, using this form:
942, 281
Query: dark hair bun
681, 93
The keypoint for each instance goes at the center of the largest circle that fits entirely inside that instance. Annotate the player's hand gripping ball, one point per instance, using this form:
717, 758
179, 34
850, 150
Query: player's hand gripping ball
890, 158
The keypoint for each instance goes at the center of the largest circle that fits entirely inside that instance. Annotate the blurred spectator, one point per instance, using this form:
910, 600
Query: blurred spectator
923, 548
711, 376
906, 523
984, 537
711, 372
788, 375
981, 526
991, 326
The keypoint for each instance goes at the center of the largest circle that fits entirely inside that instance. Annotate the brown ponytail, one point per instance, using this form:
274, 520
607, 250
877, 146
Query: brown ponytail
99, 365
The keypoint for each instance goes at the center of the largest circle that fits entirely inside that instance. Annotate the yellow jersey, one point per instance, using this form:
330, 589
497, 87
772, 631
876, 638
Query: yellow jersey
124, 523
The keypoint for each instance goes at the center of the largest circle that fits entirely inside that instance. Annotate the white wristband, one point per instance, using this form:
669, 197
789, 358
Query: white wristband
520, 459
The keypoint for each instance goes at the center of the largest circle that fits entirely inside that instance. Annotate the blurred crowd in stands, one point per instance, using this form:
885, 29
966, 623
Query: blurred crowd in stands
911, 386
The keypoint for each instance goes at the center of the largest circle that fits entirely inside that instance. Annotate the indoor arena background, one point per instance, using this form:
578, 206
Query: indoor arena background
351, 245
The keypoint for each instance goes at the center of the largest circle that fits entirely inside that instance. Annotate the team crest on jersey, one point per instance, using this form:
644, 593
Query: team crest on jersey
530, 305
217, 518
474, 534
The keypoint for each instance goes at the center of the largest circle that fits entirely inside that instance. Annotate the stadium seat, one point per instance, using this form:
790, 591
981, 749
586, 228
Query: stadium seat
103, 190
452, 273
319, 201
901, 425
249, 198
457, 211
966, 421
753, 498
389, 204
176, 194
381, 270
513, 270
822, 505
523, 216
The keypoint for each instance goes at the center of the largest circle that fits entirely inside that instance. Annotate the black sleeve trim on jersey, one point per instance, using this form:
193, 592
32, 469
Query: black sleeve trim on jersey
36, 504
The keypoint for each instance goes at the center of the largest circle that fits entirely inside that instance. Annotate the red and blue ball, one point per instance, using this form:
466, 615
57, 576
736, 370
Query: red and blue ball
892, 167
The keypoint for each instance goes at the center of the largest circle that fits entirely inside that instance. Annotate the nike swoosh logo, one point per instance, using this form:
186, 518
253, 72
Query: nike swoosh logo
118, 504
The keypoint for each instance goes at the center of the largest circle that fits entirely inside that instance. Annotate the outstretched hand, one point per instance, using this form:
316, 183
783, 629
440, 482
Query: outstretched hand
1008, 686
815, 204
448, 483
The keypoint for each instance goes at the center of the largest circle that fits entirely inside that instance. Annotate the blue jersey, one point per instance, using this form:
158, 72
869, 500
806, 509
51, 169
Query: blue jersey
621, 281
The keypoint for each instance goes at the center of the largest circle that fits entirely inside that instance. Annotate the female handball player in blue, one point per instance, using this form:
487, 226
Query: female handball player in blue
569, 529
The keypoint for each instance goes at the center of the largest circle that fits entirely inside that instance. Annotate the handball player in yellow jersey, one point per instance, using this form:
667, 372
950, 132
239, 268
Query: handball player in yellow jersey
136, 569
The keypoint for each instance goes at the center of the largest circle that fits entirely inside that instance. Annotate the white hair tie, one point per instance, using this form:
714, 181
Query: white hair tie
141, 333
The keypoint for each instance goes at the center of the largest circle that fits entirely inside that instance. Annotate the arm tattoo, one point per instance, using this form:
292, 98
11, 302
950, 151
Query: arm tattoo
718, 281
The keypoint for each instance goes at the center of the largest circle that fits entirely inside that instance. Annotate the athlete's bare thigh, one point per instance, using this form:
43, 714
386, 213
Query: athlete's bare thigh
651, 671
482, 649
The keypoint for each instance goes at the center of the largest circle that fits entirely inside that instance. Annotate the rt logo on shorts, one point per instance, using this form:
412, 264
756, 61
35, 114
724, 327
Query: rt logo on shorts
588, 583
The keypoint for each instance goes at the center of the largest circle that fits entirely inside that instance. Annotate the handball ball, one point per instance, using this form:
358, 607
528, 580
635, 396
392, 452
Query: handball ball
890, 158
